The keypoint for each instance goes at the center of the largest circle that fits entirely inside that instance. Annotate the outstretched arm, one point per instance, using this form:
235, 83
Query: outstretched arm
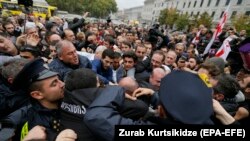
221, 114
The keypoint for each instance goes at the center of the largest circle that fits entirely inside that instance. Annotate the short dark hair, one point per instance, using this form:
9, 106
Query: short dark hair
109, 39
117, 55
227, 85
108, 52
197, 59
36, 86
130, 54
213, 70
80, 79
6, 23
125, 42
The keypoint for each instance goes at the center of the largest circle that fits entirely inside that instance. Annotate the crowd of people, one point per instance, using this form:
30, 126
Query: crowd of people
74, 80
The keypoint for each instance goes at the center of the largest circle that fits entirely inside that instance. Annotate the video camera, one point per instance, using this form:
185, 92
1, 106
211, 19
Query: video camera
154, 33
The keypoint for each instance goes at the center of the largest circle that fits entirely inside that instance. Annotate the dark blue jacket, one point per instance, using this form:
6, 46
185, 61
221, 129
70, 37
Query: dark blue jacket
75, 103
50, 119
105, 76
16, 120
10, 100
63, 69
102, 115
73, 109
36, 115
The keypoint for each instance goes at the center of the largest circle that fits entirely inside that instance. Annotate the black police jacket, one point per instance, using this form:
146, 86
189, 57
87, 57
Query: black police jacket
75, 105
73, 109
10, 100
48, 118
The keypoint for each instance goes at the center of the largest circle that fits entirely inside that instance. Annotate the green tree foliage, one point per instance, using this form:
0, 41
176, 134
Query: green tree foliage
74, 6
172, 17
241, 22
168, 17
163, 16
204, 19
193, 22
97, 8
100, 8
182, 21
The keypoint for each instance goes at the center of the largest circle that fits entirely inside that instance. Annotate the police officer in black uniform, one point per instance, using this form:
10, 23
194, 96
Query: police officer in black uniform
45, 91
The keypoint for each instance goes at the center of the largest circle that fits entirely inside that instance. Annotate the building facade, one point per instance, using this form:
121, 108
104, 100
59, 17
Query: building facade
215, 8
134, 14
147, 11
158, 6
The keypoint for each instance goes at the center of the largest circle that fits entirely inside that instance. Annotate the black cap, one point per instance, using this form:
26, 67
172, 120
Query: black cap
32, 72
186, 97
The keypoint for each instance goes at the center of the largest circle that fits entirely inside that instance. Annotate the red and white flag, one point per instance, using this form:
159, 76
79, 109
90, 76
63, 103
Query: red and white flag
218, 30
224, 49
196, 38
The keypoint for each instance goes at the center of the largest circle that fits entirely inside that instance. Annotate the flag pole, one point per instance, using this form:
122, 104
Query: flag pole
218, 30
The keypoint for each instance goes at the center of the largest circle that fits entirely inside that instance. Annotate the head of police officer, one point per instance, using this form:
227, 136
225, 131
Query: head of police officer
40, 83
183, 102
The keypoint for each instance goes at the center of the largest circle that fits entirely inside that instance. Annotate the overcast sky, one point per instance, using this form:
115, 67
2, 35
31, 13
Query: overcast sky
124, 4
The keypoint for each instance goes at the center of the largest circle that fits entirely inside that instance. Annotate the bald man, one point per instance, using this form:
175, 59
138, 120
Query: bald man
156, 76
134, 109
129, 84
170, 59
